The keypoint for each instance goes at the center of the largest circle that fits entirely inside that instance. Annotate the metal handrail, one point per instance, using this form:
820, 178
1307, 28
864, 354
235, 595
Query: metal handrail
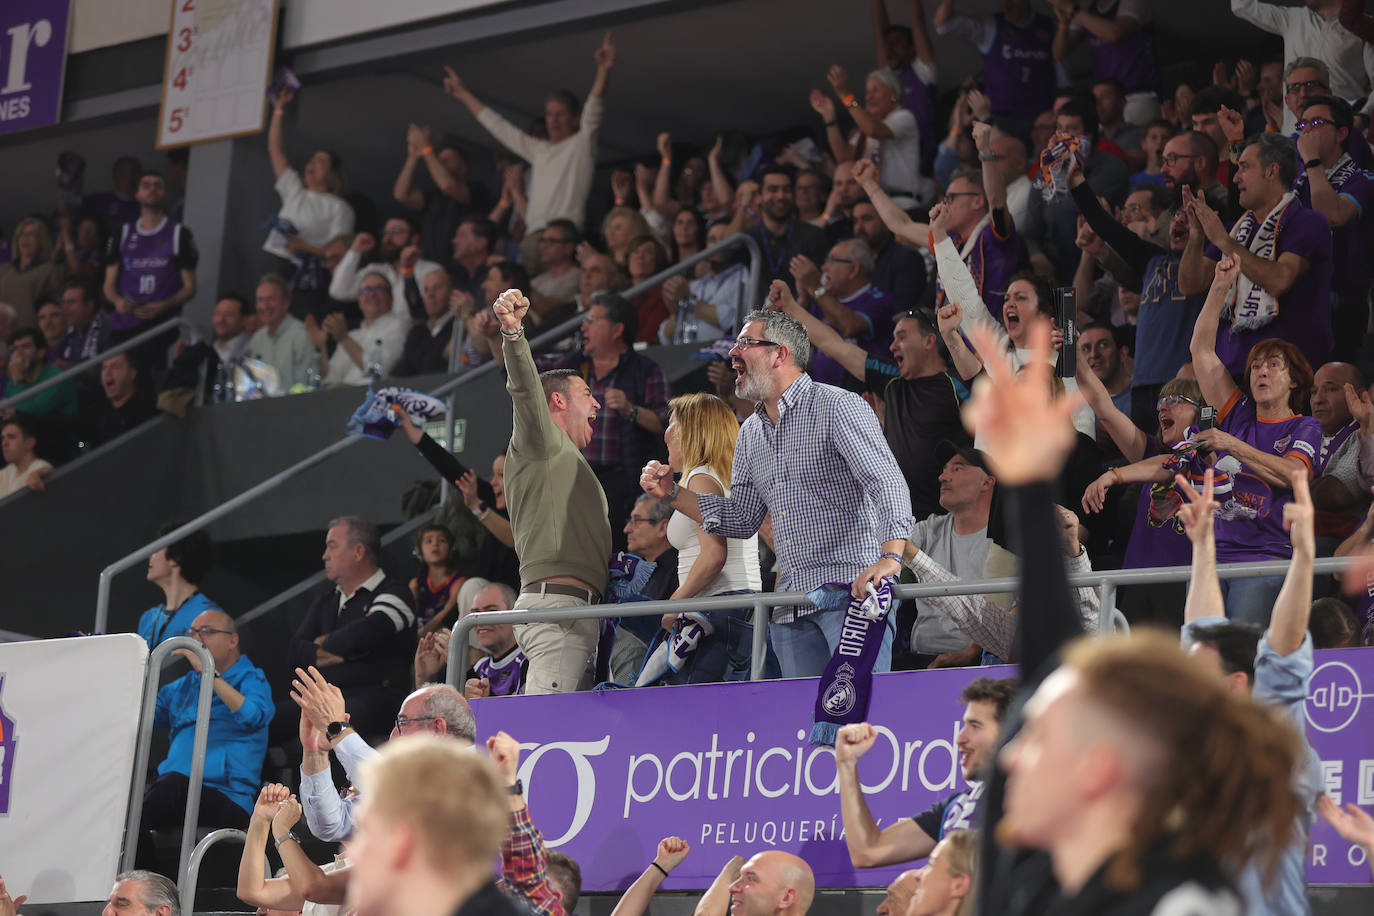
317, 578
1106, 581
549, 337
187, 888
158, 331
157, 660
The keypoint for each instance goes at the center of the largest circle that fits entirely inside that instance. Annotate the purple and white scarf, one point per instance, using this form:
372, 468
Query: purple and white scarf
1249, 305
846, 686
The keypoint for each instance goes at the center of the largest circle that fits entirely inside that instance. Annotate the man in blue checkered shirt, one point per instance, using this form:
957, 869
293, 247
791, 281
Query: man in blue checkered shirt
814, 456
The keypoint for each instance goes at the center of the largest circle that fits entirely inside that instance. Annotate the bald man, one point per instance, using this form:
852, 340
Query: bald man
240, 711
773, 883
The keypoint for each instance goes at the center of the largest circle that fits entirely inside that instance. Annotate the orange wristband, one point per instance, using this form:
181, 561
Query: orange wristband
848, 100
503, 203
665, 161
1116, 472
427, 150
408, 271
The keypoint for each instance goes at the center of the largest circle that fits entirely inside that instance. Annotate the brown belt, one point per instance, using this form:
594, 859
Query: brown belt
558, 588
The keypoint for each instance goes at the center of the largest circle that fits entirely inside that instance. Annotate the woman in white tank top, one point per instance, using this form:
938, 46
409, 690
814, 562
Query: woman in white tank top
701, 435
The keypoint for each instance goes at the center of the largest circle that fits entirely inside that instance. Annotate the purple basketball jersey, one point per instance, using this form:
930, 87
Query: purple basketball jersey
1131, 60
147, 266
1018, 69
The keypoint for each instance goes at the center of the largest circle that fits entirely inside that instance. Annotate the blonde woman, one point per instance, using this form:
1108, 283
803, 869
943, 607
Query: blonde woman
701, 447
31, 274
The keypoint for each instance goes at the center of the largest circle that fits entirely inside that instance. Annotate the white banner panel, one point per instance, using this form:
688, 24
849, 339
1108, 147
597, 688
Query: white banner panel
219, 60
68, 726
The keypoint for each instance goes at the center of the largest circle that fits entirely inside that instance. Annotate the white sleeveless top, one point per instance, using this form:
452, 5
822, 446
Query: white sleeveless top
741, 569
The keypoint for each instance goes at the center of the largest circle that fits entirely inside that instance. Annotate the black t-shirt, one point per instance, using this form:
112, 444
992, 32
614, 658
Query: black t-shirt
958, 812
920, 413
490, 901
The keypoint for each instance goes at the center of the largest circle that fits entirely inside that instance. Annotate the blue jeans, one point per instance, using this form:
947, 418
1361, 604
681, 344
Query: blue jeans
805, 645
726, 654
1251, 600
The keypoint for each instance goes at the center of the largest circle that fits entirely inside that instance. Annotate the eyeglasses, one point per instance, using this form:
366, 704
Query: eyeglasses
403, 721
1173, 400
831, 257
403, 231
1314, 123
950, 195
1171, 158
1305, 84
640, 520
198, 632
374, 290
1135, 208
744, 343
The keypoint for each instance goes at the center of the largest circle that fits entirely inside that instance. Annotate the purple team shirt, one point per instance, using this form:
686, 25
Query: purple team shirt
918, 97
1018, 69
1350, 244
149, 266
1304, 314
1130, 60
1249, 522
1157, 537
992, 262
876, 308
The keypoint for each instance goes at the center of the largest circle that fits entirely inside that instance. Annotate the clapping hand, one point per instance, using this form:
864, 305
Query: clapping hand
605, 54
838, 79
822, 105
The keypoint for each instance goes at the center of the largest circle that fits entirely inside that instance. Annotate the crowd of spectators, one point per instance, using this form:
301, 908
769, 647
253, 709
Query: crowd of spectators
1213, 242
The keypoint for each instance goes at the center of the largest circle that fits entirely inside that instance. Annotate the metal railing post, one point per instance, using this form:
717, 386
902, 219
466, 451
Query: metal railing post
1106, 599
758, 653
157, 660
191, 878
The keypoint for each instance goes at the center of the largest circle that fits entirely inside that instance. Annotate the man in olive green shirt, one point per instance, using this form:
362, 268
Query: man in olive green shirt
557, 509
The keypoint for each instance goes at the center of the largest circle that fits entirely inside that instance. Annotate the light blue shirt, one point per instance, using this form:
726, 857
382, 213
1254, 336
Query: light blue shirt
155, 626
328, 815
827, 475
1281, 682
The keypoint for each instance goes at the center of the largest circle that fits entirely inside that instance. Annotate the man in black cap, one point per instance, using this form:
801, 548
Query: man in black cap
959, 542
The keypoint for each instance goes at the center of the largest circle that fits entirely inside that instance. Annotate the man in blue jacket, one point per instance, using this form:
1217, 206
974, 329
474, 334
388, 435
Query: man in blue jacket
240, 711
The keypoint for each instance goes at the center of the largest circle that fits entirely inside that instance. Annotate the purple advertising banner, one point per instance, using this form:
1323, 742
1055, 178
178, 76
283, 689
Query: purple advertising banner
727, 768
33, 58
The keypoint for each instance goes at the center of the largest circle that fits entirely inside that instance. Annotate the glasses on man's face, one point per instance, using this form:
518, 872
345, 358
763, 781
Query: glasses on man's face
951, 195
1313, 123
374, 290
202, 632
1303, 85
1174, 158
1173, 400
640, 520
831, 257
402, 231
1134, 208
403, 721
744, 343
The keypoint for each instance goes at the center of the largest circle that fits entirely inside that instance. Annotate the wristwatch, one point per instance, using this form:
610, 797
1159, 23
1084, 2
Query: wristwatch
517, 788
1312, 164
289, 835
334, 729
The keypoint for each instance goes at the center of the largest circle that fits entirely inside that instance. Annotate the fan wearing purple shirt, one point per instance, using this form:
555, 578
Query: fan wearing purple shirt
150, 263
910, 54
1283, 250
1334, 185
1259, 442
840, 294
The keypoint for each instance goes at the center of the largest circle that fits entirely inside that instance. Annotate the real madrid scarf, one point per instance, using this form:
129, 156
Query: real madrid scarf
1251, 306
843, 693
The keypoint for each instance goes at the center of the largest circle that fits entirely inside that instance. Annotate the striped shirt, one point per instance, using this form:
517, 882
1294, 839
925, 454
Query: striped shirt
826, 474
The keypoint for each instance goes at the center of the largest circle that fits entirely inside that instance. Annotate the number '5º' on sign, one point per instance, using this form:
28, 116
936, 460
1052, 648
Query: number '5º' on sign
177, 118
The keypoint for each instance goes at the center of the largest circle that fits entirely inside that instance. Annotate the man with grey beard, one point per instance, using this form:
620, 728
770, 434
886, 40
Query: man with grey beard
814, 457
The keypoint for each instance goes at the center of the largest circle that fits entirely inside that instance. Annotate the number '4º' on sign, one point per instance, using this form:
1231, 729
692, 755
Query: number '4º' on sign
182, 76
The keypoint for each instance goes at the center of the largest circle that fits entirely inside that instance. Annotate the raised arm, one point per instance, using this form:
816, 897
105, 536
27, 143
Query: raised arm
869, 845
867, 124
404, 191
1195, 269
308, 881
605, 60
635, 901
1293, 606
723, 188
950, 319
716, 900
920, 35
994, 185
254, 887
1212, 375
1277, 276
1197, 516
1131, 439
276, 149
893, 216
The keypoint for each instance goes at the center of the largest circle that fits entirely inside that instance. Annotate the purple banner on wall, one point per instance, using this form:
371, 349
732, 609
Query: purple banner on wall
33, 58
727, 768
